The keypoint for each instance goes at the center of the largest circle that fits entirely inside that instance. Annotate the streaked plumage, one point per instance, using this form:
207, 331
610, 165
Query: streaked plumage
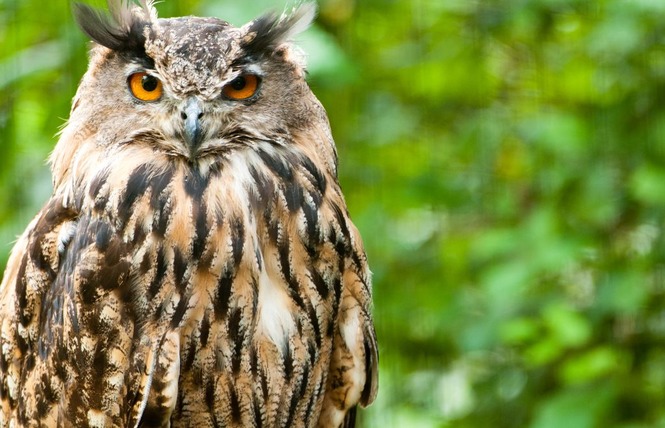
195, 265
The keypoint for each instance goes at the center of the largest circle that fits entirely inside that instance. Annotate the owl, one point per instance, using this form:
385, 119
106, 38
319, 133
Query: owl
195, 265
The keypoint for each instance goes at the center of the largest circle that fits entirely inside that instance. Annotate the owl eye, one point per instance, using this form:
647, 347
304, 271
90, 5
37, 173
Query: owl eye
145, 87
242, 87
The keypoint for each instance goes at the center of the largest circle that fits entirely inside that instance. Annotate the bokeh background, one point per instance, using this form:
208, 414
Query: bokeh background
505, 163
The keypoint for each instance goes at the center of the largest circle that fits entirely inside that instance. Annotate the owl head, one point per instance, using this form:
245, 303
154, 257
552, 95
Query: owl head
190, 88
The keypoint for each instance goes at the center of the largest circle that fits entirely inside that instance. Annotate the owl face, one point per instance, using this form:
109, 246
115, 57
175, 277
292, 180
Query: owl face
191, 87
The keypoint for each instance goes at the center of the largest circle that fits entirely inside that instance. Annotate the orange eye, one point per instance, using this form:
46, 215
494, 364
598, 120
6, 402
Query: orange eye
242, 87
145, 87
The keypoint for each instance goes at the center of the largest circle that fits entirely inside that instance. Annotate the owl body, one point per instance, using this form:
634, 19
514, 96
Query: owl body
195, 265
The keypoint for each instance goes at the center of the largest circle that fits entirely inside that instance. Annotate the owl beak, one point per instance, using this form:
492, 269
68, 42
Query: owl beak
191, 115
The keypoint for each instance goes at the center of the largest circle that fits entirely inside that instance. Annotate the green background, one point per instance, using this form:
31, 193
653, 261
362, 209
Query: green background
505, 163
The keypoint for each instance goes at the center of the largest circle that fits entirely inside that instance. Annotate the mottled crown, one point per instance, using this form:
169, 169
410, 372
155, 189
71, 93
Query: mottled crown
127, 25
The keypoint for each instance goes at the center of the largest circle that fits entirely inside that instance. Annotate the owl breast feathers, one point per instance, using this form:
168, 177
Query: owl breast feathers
195, 265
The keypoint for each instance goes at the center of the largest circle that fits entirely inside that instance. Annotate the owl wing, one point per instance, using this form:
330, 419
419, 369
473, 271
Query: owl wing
353, 374
69, 354
31, 274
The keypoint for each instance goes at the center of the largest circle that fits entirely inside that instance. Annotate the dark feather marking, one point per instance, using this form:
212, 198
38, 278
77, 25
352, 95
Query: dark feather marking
159, 310
319, 179
215, 169
159, 201
264, 192
161, 223
273, 226
160, 273
125, 37
270, 31
153, 417
255, 295
137, 184
314, 320
43, 406
205, 262
237, 240
277, 165
139, 234
341, 248
237, 338
100, 203
342, 237
293, 406
21, 344
197, 376
304, 379
112, 250
158, 184
284, 262
264, 387
114, 276
253, 363
210, 395
205, 330
293, 194
299, 327
39, 259
103, 237
97, 183
21, 295
258, 413
179, 269
312, 350
219, 216
367, 389
145, 264
76, 401
295, 295
99, 364
350, 418
337, 287
188, 362
3, 360
310, 406
311, 219
259, 257
199, 213
284, 252
62, 355
29, 362
224, 287
236, 411
357, 258
127, 293
179, 406
195, 184
180, 310
288, 365
322, 287
88, 290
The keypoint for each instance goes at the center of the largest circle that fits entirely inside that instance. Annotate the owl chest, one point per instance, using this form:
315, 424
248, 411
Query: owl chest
233, 286
207, 254
230, 295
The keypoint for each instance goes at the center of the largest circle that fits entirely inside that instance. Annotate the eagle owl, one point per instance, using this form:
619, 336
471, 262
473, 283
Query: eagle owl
195, 265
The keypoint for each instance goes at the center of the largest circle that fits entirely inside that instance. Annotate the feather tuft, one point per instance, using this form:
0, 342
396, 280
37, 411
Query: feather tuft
269, 31
122, 28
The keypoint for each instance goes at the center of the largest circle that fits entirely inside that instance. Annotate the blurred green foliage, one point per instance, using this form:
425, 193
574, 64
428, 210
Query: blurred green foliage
505, 163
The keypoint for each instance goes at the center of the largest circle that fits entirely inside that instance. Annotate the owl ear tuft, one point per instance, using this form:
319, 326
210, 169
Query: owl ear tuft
269, 31
122, 29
